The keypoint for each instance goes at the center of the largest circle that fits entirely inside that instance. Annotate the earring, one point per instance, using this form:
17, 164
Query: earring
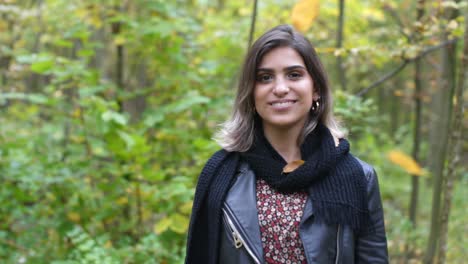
315, 105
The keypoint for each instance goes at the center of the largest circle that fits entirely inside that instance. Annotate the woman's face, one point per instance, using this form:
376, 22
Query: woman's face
284, 90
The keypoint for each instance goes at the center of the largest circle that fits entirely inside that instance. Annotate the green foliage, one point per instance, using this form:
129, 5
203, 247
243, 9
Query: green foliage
87, 179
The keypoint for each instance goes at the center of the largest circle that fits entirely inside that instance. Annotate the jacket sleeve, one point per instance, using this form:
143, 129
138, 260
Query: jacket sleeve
372, 247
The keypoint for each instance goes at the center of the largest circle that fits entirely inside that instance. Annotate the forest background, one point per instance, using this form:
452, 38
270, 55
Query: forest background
108, 108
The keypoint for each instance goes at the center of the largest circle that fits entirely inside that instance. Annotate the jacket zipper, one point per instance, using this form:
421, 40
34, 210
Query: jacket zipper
338, 244
238, 240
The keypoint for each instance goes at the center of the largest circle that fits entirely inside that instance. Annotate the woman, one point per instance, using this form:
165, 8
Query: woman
284, 188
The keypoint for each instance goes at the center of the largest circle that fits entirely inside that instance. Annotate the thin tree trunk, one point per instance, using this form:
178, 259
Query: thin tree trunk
252, 24
339, 44
119, 81
395, 106
441, 106
33, 82
220, 5
119, 59
455, 143
136, 104
417, 125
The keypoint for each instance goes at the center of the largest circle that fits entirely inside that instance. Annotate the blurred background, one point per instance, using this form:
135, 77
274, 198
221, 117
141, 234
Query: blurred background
107, 109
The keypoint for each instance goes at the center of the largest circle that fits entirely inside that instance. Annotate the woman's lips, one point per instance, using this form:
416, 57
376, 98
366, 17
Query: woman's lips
282, 104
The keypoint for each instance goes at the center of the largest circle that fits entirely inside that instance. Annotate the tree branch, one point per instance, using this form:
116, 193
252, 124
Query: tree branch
339, 44
384, 78
403, 65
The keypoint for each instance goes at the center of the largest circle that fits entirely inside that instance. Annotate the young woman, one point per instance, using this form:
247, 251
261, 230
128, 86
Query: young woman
285, 188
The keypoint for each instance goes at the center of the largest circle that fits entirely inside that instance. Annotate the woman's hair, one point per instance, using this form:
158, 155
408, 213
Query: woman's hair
238, 132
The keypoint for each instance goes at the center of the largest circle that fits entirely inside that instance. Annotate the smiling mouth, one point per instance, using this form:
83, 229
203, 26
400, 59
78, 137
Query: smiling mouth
283, 103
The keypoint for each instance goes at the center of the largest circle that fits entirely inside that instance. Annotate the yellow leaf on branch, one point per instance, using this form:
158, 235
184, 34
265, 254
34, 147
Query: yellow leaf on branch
406, 162
304, 13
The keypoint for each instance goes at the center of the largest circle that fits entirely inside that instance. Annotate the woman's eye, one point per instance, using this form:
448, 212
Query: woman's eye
264, 78
294, 75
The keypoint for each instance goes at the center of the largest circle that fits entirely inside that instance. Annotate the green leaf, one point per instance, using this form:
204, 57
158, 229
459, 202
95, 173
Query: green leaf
33, 98
42, 66
127, 138
187, 102
115, 117
154, 118
40, 63
91, 90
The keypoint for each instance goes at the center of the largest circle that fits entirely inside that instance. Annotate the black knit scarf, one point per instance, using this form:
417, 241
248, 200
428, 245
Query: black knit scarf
334, 176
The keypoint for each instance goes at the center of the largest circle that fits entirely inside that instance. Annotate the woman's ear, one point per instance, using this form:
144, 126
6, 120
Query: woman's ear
315, 96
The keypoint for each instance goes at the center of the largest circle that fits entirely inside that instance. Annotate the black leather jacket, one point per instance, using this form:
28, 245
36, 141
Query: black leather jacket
323, 244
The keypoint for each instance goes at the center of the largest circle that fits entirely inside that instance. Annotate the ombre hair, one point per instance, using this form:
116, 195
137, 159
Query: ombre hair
238, 132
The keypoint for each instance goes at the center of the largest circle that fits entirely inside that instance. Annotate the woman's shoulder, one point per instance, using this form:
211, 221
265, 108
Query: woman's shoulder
217, 158
368, 169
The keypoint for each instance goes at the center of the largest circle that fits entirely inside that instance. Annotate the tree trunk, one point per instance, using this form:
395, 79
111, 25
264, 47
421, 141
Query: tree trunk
33, 82
455, 143
252, 24
417, 125
441, 106
395, 106
339, 44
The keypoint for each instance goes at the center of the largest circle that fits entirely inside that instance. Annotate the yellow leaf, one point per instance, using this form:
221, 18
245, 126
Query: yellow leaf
76, 113
186, 208
304, 14
291, 166
146, 214
96, 21
122, 200
406, 162
3, 26
77, 139
179, 223
398, 93
119, 40
74, 217
108, 244
162, 225
81, 12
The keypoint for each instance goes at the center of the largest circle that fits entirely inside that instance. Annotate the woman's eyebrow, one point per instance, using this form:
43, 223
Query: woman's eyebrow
289, 68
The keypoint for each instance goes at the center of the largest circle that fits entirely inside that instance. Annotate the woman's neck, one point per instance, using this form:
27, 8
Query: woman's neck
284, 141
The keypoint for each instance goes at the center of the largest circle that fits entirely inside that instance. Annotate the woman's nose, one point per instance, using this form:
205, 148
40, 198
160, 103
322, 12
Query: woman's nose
281, 87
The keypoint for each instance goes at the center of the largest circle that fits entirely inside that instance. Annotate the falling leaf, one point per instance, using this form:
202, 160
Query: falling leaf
304, 14
290, 167
406, 162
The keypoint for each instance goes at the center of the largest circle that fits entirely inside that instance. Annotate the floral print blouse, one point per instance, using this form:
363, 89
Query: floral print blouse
279, 216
